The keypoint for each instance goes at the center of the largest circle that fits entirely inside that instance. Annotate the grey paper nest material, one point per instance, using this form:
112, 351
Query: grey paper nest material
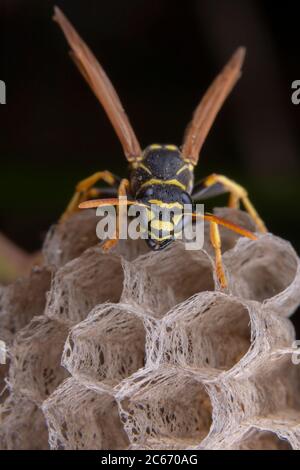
143, 350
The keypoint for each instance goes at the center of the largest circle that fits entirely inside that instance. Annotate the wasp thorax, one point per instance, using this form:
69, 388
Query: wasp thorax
161, 164
163, 161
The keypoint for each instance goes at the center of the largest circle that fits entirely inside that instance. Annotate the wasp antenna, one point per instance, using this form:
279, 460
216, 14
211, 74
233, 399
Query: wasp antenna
108, 202
238, 57
57, 11
210, 105
100, 85
225, 223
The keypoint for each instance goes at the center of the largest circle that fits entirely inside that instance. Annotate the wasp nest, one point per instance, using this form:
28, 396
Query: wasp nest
142, 350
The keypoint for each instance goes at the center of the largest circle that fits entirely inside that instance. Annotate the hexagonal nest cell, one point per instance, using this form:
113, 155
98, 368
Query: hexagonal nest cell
134, 349
210, 331
108, 346
79, 418
257, 439
167, 407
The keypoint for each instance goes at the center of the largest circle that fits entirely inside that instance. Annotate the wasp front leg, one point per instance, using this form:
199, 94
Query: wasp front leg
215, 184
123, 191
216, 243
84, 190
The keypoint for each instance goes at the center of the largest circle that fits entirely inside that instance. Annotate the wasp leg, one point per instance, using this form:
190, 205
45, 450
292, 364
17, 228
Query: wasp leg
122, 191
84, 187
216, 243
215, 184
216, 240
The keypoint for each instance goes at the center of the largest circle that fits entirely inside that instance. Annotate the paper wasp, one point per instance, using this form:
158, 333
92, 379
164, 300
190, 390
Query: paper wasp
161, 174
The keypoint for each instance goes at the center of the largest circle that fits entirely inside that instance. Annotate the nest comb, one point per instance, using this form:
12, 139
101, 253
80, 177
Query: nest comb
142, 350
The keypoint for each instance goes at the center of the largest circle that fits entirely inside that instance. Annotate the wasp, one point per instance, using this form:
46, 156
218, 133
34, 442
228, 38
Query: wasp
162, 175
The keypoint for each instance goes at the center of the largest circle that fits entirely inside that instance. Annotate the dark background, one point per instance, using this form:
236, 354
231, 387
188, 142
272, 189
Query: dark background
161, 55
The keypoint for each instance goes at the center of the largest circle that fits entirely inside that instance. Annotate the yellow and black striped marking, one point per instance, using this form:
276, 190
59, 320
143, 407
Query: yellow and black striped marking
162, 181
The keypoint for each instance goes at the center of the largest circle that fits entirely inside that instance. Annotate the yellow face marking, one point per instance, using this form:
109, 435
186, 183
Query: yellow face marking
150, 214
168, 205
157, 181
162, 225
166, 237
153, 235
177, 218
171, 147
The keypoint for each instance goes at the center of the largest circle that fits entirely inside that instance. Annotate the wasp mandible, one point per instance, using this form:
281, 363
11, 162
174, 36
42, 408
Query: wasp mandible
161, 174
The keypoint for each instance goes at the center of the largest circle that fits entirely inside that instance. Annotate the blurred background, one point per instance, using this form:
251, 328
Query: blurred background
161, 56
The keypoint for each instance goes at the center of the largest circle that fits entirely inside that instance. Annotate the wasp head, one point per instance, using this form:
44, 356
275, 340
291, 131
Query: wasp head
163, 218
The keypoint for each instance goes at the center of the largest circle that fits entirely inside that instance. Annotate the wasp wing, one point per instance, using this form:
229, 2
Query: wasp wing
210, 105
101, 86
201, 192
